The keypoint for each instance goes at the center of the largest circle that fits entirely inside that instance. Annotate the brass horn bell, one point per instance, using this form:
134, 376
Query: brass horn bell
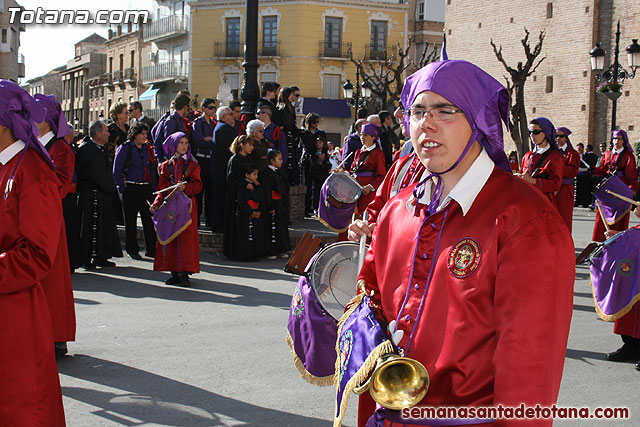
397, 382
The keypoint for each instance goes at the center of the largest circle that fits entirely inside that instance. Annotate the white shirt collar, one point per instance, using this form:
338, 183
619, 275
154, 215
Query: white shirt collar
141, 117
469, 186
369, 148
273, 168
539, 150
46, 138
564, 147
9, 153
619, 150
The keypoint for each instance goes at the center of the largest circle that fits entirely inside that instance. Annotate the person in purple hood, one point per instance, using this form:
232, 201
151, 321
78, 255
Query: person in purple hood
451, 259
30, 226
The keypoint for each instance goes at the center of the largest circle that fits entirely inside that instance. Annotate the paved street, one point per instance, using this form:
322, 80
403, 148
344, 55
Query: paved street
215, 354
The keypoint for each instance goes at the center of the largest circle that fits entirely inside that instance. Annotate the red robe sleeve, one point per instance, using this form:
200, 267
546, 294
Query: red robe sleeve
525, 162
194, 182
381, 169
30, 258
604, 165
571, 163
64, 160
630, 171
553, 168
163, 182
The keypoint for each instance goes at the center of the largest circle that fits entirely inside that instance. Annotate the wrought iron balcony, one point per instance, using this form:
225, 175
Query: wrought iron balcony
163, 71
270, 49
156, 113
117, 76
375, 52
228, 50
333, 50
107, 79
164, 28
21, 66
130, 75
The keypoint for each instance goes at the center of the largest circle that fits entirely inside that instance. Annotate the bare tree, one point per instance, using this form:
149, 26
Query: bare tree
385, 76
518, 124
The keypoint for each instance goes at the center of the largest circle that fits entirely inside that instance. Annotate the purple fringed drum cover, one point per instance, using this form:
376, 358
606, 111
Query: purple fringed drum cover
614, 208
172, 218
337, 219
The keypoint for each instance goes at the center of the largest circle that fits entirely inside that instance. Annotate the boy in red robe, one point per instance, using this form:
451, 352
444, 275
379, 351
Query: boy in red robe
31, 218
57, 284
542, 166
181, 256
565, 196
368, 166
447, 252
619, 161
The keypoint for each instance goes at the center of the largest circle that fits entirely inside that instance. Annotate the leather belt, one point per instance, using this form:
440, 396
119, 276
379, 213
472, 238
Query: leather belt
137, 183
206, 156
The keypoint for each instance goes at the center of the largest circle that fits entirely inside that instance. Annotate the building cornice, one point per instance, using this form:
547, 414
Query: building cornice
350, 4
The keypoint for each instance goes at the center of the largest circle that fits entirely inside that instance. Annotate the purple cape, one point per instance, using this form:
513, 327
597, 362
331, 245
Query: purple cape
55, 117
20, 113
482, 99
614, 275
311, 335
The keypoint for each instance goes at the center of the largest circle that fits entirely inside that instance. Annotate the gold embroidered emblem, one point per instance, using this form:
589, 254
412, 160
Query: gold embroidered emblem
464, 258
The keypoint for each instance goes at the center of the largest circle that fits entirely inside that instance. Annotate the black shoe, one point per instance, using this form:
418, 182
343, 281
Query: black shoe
173, 280
134, 255
623, 354
150, 255
101, 262
61, 349
89, 266
184, 279
638, 366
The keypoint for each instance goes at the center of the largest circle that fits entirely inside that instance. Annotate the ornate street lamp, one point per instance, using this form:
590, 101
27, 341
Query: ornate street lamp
612, 78
347, 90
360, 96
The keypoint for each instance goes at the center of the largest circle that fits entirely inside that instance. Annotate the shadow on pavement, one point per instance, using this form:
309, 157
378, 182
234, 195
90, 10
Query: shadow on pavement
584, 354
148, 398
126, 285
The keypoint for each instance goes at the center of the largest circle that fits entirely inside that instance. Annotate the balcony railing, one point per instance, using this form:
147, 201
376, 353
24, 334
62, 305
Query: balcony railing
130, 75
333, 50
163, 28
167, 70
21, 66
228, 50
375, 52
117, 76
270, 49
107, 79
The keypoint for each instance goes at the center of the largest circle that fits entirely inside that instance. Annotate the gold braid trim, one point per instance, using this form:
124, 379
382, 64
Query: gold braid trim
360, 378
619, 218
614, 316
306, 375
178, 232
323, 222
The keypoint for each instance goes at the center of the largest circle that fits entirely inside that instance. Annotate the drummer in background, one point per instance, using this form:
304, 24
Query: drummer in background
543, 165
180, 166
619, 161
368, 166
565, 196
628, 326
447, 252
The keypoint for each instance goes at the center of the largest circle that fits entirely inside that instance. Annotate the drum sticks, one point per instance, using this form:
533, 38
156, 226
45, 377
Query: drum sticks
620, 196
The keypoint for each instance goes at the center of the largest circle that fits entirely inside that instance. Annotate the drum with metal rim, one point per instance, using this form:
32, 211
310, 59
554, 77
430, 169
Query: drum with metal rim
333, 274
343, 187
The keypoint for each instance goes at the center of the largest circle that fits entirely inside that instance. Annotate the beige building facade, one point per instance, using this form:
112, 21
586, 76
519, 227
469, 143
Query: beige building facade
563, 86
11, 62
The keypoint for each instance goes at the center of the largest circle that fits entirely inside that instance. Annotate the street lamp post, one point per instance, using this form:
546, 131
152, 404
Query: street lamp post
250, 91
615, 75
354, 99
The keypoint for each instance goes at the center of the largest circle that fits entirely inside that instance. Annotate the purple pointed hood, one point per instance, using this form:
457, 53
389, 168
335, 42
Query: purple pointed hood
549, 131
171, 143
20, 113
620, 132
55, 117
482, 99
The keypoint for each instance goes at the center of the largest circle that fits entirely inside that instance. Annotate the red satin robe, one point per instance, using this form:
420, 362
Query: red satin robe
57, 284
405, 171
374, 164
624, 162
494, 328
548, 175
565, 195
31, 218
183, 253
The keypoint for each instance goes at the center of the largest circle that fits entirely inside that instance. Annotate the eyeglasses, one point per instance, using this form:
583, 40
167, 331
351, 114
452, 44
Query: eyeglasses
131, 109
262, 112
535, 131
297, 95
210, 107
619, 138
260, 130
442, 114
561, 136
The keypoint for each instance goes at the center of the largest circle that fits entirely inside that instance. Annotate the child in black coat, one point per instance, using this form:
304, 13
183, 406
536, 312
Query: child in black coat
276, 219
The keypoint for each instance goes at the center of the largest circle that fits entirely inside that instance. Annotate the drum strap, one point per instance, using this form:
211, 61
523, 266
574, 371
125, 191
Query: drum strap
356, 166
400, 178
539, 163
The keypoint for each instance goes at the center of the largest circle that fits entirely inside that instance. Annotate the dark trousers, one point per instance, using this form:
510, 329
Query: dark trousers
218, 196
631, 342
134, 201
204, 197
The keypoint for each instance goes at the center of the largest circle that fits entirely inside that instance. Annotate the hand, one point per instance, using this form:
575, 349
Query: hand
527, 178
181, 187
358, 228
153, 209
366, 190
272, 211
255, 214
636, 212
610, 233
250, 187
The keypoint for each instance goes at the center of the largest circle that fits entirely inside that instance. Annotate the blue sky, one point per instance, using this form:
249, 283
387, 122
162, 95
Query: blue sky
47, 46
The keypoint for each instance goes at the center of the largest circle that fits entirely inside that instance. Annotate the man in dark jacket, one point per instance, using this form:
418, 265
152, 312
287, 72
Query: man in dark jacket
170, 123
136, 113
223, 136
